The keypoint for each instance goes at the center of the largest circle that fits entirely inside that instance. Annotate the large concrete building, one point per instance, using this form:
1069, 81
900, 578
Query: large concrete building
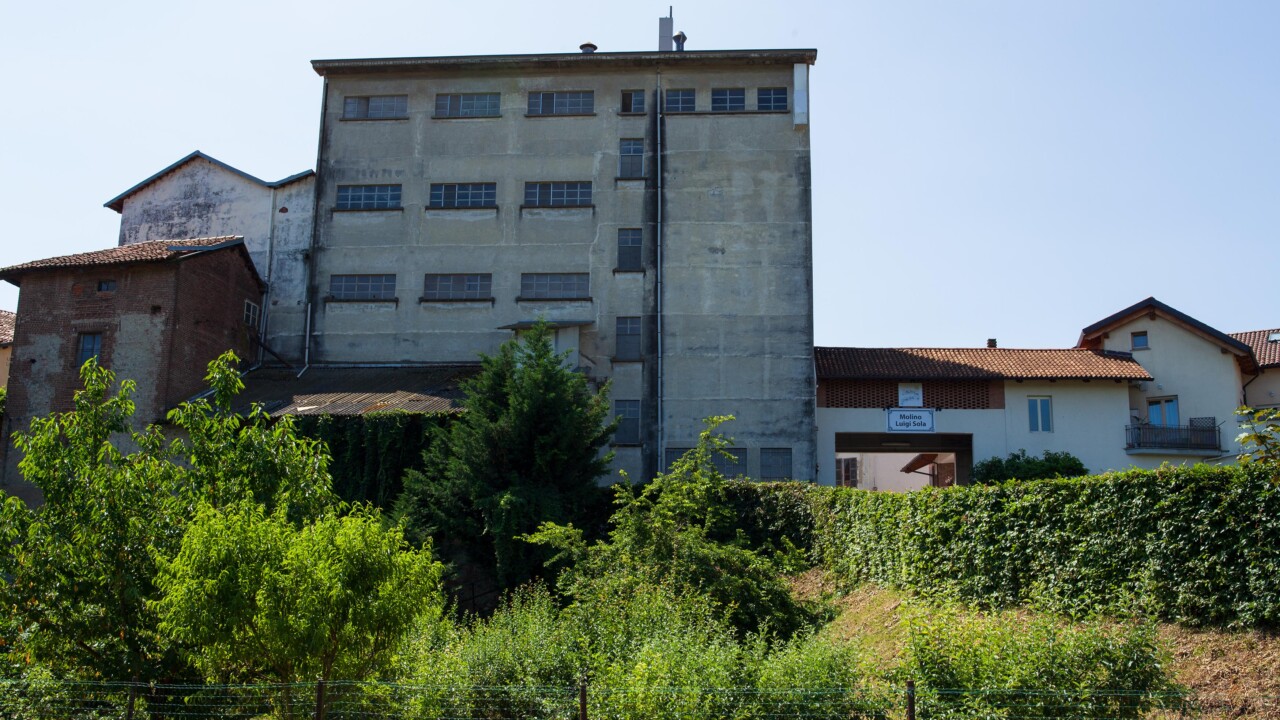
653, 207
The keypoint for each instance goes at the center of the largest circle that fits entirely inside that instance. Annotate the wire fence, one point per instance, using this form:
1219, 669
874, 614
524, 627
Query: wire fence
33, 700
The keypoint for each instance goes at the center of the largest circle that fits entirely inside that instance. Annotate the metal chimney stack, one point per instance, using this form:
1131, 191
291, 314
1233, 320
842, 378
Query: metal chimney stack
666, 26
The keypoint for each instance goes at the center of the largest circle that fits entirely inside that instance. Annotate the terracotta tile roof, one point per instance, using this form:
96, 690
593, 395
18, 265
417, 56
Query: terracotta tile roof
974, 364
154, 251
6, 327
1267, 351
356, 391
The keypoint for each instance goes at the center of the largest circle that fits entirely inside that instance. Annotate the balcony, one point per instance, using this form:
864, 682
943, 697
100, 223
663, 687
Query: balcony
1194, 437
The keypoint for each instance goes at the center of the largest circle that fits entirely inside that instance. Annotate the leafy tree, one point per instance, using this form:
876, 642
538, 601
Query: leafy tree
679, 531
1021, 466
527, 449
262, 599
1259, 435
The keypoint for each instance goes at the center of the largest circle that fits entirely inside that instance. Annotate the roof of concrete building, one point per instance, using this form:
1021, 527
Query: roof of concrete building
842, 363
146, 252
7, 320
1264, 343
117, 203
561, 61
357, 391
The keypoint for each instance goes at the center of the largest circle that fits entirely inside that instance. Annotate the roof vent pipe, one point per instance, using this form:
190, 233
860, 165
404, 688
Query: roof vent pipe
587, 48
680, 37
991, 342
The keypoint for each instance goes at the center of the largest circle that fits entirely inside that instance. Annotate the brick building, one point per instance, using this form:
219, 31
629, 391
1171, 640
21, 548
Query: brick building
156, 312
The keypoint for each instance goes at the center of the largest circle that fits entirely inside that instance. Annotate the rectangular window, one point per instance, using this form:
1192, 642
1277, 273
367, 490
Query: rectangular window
1138, 340
632, 101
368, 197
631, 158
673, 454
468, 105
775, 464
628, 347
88, 345
1040, 414
582, 102
1163, 411
362, 287
555, 286
630, 243
458, 286
728, 99
557, 194
106, 285
628, 412
679, 101
375, 107
251, 313
463, 195
732, 466
771, 99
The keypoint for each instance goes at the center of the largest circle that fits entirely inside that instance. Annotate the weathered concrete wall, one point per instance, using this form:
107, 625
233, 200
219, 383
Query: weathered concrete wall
292, 214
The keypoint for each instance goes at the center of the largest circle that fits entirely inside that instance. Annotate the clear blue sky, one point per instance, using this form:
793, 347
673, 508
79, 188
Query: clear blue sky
981, 169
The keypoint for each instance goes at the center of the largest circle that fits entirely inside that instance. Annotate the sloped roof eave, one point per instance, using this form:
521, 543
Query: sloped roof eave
117, 203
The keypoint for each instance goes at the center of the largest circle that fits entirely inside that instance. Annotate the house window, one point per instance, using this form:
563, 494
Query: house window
1138, 340
1163, 411
368, 197
555, 286
458, 286
846, 472
562, 103
362, 287
628, 331
557, 194
679, 101
628, 412
631, 158
728, 99
252, 313
106, 286
468, 105
463, 195
375, 107
771, 99
775, 464
630, 242
632, 101
88, 345
1040, 413
733, 465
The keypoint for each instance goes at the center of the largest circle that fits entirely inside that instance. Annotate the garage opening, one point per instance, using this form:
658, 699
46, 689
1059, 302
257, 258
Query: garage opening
900, 462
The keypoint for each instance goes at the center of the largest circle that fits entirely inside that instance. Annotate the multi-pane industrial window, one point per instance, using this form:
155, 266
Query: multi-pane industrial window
630, 242
251, 313
562, 103
775, 463
628, 412
673, 454
632, 101
458, 286
1040, 414
468, 105
463, 195
678, 101
628, 330
771, 99
368, 197
362, 287
375, 107
728, 99
88, 345
732, 466
557, 194
554, 286
631, 158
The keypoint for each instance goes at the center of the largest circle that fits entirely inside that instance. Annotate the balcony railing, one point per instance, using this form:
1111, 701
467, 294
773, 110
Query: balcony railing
1174, 437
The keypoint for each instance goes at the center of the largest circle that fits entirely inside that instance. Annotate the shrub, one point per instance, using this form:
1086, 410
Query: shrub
1021, 466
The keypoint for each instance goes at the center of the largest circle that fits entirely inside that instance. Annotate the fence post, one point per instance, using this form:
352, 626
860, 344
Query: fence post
582, 698
320, 698
911, 700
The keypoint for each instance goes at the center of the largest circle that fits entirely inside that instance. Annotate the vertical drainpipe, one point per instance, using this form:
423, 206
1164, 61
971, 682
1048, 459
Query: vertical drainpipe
315, 227
661, 150
264, 317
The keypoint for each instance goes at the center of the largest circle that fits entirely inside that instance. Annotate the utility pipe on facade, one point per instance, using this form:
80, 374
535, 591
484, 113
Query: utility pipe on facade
662, 425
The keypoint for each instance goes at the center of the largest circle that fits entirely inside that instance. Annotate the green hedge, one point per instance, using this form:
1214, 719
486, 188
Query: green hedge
1200, 545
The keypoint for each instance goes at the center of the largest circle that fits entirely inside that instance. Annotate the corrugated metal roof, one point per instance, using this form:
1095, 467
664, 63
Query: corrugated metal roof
357, 391
974, 364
